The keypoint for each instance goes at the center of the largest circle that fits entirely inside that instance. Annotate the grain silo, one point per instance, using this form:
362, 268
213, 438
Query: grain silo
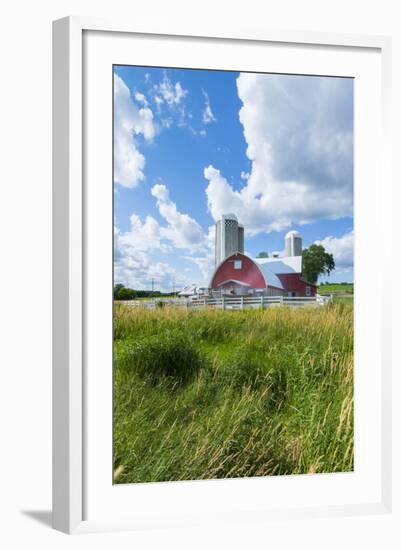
241, 238
227, 237
293, 244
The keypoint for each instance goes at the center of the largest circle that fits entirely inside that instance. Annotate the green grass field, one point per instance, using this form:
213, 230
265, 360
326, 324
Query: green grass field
338, 288
150, 298
218, 394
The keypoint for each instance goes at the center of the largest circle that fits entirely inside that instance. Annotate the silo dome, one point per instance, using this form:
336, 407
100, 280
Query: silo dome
295, 233
230, 216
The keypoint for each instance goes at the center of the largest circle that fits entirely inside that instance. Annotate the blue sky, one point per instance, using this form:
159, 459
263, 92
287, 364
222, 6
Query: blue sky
190, 145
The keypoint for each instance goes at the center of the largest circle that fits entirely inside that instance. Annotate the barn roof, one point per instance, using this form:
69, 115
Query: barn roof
270, 277
288, 264
189, 290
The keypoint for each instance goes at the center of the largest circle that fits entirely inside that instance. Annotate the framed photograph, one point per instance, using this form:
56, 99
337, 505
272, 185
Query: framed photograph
221, 345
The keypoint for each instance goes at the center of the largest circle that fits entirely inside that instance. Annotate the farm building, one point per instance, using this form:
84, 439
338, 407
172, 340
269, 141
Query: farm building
192, 290
240, 275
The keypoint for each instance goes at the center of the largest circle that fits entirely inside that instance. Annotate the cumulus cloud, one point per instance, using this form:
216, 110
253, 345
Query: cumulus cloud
130, 120
203, 256
137, 271
299, 135
137, 252
137, 256
207, 114
143, 236
182, 230
342, 249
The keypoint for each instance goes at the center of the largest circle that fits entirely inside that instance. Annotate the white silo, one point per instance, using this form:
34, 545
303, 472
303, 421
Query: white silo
293, 244
241, 238
227, 237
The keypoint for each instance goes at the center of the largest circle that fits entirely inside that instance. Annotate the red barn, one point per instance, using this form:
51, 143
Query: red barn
241, 275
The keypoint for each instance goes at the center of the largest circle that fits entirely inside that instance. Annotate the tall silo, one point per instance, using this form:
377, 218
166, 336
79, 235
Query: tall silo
217, 245
293, 244
226, 237
241, 238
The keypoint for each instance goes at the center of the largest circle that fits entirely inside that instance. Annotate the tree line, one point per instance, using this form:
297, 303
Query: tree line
123, 293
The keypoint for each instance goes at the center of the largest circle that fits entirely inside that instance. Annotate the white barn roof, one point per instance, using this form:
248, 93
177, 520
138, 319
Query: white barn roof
288, 264
189, 290
270, 277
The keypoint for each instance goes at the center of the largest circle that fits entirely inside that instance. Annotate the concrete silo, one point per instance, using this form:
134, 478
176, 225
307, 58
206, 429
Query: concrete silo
241, 238
293, 244
228, 237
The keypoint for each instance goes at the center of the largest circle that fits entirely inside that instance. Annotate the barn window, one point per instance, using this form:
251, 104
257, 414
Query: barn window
308, 290
237, 264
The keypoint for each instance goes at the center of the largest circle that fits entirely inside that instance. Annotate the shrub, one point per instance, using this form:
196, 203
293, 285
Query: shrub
168, 357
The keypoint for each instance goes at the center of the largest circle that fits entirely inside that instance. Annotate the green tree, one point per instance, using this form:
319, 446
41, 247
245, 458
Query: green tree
117, 288
122, 293
262, 255
315, 262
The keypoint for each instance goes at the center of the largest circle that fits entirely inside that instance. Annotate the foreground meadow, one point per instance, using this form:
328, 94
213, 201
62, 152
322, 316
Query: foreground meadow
218, 394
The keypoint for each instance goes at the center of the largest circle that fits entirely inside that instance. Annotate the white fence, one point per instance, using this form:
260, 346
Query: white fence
243, 302
232, 302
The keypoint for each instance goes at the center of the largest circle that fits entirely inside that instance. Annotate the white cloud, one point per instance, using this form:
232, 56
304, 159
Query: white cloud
129, 121
137, 257
137, 251
300, 142
160, 192
170, 99
169, 93
144, 236
167, 122
141, 98
207, 115
204, 256
342, 249
182, 230
137, 271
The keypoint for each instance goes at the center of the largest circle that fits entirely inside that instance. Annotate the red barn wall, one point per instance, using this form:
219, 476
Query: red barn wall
249, 272
293, 282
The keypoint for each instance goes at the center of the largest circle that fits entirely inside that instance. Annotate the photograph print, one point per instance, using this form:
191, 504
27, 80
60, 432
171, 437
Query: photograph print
233, 274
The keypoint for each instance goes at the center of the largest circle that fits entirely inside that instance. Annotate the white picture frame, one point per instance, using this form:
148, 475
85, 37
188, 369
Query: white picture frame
70, 258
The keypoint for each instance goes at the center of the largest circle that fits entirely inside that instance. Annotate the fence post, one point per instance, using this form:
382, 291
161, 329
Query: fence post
242, 302
262, 302
222, 303
281, 301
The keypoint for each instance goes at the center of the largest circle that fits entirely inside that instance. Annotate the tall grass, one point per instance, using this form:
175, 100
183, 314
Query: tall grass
215, 394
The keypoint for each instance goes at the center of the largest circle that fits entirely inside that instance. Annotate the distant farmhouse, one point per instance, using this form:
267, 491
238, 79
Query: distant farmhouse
239, 275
